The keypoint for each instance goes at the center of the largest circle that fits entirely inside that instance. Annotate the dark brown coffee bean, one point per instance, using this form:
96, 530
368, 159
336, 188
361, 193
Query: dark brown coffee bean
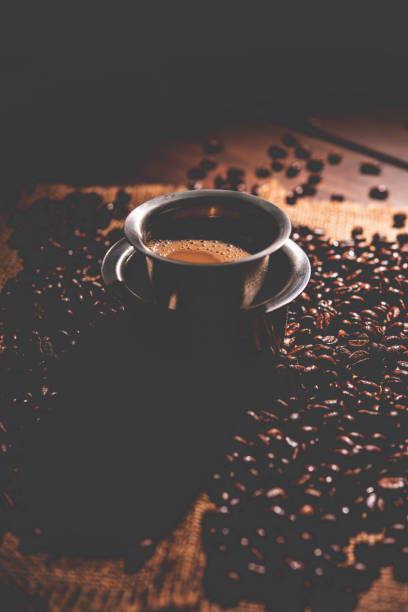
289, 140
334, 158
402, 239
293, 170
379, 193
337, 197
291, 198
276, 165
277, 152
262, 172
315, 165
208, 164
302, 152
399, 219
308, 189
220, 182
314, 179
235, 175
370, 168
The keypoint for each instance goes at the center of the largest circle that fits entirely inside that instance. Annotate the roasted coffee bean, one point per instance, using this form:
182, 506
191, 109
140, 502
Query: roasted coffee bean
308, 189
314, 179
220, 182
235, 175
276, 165
334, 158
196, 173
379, 193
291, 197
402, 239
289, 140
208, 164
293, 170
315, 165
357, 231
302, 152
399, 219
370, 168
121, 204
262, 172
337, 197
277, 152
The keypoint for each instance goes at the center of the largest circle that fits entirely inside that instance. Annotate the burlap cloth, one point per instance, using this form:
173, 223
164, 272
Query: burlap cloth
101, 585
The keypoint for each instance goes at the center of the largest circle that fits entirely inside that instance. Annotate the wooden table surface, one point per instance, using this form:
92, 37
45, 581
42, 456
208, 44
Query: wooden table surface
246, 143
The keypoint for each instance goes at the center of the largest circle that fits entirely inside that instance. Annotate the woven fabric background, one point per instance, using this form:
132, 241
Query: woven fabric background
173, 576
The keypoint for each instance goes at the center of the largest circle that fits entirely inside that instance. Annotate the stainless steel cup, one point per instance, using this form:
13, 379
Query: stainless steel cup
252, 223
259, 327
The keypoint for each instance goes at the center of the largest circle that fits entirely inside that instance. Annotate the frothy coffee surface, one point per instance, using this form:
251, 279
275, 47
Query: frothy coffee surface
197, 251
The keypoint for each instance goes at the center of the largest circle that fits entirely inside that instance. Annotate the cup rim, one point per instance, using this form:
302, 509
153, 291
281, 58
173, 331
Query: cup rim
134, 221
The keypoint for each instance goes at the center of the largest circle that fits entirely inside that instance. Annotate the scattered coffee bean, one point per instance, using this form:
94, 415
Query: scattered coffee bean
334, 158
277, 152
379, 193
314, 179
220, 182
337, 197
302, 152
291, 198
357, 231
262, 172
308, 189
235, 175
315, 165
208, 164
399, 219
293, 170
402, 239
277, 165
289, 140
370, 168
196, 173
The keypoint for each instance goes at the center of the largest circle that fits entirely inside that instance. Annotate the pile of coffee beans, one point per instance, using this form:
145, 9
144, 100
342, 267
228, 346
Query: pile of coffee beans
322, 454
44, 311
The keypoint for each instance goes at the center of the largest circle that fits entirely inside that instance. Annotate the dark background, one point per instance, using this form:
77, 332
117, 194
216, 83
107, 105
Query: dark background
84, 89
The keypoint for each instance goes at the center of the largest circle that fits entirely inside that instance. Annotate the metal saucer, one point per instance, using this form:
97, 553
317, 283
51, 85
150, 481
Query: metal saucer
124, 269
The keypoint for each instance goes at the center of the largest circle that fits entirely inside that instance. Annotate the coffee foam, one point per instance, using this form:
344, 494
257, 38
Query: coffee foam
196, 250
